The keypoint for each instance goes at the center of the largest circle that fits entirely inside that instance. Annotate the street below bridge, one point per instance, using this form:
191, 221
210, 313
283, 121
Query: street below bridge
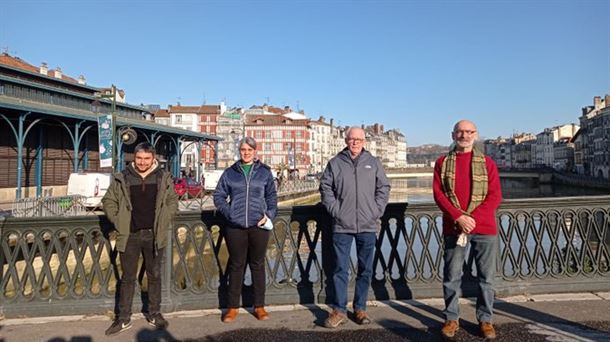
556, 318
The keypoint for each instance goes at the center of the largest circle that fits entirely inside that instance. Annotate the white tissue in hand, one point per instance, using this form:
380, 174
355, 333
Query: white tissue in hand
268, 225
462, 240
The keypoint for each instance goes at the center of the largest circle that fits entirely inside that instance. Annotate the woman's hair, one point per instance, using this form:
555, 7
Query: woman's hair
248, 141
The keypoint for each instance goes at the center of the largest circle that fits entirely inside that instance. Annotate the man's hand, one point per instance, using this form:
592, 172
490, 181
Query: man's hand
465, 224
262, 221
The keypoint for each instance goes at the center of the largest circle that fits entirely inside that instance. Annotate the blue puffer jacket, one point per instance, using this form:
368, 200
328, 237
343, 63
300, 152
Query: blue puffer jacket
249, 198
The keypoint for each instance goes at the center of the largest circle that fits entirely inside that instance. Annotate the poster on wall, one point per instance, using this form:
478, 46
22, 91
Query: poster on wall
104, 124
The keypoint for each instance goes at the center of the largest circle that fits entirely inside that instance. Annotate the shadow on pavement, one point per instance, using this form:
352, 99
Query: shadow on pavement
151, 335
73, 339
319, 314
559, 324
282, 335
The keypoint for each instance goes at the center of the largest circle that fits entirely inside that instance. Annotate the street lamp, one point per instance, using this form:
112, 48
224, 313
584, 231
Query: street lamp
235, 136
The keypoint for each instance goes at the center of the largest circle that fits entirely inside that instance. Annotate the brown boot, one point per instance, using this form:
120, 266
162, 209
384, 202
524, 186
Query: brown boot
487, 330
335, 319
450, 328
361, 317
230, 315
261, 314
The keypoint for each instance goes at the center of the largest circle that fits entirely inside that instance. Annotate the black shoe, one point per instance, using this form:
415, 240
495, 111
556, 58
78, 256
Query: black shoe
118, 326
157, 321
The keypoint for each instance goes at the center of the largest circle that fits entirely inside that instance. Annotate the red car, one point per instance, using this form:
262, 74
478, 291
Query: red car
188, 186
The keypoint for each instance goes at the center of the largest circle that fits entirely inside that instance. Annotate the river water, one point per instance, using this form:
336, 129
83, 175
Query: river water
419, 190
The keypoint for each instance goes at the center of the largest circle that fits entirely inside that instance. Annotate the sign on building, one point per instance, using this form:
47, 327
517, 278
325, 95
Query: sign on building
104, 124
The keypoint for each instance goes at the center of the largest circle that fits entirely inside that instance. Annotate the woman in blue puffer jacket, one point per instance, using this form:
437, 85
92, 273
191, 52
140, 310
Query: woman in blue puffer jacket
247, 198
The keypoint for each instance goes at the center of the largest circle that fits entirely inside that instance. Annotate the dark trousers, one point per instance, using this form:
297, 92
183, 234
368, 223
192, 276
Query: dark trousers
140, 242
246, 246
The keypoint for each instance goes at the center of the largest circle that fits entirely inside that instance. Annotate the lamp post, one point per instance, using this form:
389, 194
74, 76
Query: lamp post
235, 136
114, 140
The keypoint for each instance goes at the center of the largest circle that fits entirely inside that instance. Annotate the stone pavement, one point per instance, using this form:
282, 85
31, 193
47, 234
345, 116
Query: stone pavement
557, 318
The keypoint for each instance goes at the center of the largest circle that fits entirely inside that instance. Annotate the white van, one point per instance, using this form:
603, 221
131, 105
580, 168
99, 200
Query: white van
92, 185
211, 178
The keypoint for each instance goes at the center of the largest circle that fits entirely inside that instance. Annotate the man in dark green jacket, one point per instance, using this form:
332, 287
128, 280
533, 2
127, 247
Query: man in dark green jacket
141, 203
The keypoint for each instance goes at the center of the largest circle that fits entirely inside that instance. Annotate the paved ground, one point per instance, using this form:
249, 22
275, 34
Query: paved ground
556, 318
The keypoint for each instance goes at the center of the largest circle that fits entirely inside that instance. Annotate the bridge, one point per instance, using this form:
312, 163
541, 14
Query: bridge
55, 266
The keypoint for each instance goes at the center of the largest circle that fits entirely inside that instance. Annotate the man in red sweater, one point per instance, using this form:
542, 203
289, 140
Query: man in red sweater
467, 190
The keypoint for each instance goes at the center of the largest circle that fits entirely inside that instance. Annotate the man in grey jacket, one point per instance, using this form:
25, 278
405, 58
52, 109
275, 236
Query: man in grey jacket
355, 191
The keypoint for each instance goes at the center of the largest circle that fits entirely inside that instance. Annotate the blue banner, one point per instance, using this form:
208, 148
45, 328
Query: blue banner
104, 124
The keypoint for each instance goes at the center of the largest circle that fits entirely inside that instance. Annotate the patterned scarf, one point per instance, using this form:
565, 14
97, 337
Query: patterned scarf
479, 179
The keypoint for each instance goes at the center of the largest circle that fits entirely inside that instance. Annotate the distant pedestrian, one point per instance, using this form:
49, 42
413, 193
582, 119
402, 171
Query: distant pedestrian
141, 203
247, 198
355, 191
466, 188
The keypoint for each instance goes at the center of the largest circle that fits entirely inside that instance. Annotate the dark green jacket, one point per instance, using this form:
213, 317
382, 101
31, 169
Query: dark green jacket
117, 206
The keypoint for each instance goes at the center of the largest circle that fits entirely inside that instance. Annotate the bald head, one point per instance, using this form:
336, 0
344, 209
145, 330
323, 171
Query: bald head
464, 122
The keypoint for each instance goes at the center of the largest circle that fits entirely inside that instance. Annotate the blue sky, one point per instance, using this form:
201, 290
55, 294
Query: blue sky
419, 66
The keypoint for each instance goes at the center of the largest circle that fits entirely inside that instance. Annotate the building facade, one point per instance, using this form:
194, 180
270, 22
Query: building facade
595, 140
51, 126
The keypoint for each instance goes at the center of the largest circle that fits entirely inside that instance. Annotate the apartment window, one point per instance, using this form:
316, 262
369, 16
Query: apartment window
275, 160
178, 118
259, 135
277, 134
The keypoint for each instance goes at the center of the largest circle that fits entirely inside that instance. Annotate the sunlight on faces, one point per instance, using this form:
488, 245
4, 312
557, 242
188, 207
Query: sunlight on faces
355, 141
144, 161
247, 153
464, 135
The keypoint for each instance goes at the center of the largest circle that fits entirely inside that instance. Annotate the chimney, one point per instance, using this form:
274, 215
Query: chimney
597, 102
332, 122
82, 80
58, 73
44, 69
607, 100
321, 118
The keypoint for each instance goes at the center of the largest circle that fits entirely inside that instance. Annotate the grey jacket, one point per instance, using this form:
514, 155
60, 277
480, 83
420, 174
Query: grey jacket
355, 195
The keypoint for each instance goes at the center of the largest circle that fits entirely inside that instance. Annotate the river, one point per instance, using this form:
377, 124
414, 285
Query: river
419, 190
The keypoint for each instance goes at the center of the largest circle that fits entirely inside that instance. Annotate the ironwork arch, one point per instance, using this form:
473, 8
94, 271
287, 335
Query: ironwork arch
20, 137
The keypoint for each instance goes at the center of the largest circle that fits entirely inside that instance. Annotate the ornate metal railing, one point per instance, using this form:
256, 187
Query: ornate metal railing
59, 265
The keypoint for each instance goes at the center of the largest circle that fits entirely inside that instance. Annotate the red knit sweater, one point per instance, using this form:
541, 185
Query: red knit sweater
485, 213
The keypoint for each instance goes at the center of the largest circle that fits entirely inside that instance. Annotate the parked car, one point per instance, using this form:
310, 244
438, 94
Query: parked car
185, 185
312, 177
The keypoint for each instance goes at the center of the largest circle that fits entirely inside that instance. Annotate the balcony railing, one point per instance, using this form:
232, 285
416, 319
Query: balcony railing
59, 265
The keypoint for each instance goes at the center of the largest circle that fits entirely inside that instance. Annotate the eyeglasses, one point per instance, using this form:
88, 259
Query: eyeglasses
355, 140
465, 132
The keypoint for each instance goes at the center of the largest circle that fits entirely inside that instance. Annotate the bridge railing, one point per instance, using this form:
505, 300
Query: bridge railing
56, 266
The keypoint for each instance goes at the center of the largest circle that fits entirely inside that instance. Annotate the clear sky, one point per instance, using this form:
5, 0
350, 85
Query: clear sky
419, 66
